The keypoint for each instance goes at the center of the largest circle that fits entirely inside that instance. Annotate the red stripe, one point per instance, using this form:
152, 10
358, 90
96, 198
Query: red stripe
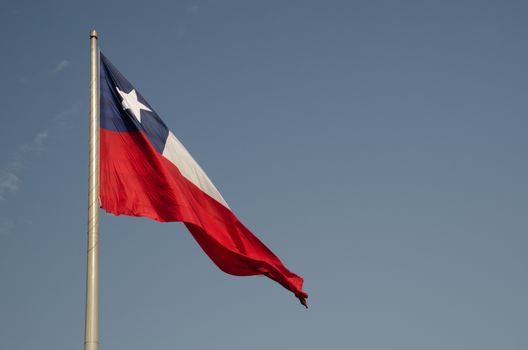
136, 180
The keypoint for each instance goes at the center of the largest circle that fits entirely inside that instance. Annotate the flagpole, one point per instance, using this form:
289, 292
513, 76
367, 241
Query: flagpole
91, 331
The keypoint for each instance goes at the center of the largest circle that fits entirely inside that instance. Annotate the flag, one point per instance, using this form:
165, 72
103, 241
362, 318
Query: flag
146, 171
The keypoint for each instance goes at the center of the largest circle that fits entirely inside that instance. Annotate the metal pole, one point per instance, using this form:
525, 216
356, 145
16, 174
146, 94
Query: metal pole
91, 331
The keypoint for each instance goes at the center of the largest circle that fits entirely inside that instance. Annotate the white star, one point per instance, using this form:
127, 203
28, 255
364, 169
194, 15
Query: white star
130, 101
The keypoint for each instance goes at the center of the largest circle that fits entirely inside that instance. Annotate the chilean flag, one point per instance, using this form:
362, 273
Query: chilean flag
146, 171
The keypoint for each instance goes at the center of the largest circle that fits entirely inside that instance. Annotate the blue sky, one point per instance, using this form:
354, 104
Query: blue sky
378, 147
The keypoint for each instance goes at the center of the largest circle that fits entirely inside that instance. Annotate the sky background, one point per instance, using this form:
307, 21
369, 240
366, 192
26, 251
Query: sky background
378, 147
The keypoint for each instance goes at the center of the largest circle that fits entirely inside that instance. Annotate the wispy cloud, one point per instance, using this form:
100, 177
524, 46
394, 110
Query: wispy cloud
10, 172
37, 144
193, 8
6, 225
9, 182
59, 67
64, 114
56, 69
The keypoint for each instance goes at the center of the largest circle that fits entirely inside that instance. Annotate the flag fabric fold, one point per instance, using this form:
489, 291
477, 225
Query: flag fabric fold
146, 171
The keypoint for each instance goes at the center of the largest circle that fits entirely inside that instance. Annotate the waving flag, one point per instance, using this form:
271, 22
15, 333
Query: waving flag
146, 171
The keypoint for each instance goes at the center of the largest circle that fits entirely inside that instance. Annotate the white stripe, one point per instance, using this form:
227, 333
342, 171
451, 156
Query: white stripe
176, 153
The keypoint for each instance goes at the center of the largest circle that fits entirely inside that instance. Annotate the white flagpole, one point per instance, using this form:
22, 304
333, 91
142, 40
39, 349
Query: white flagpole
91, 331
